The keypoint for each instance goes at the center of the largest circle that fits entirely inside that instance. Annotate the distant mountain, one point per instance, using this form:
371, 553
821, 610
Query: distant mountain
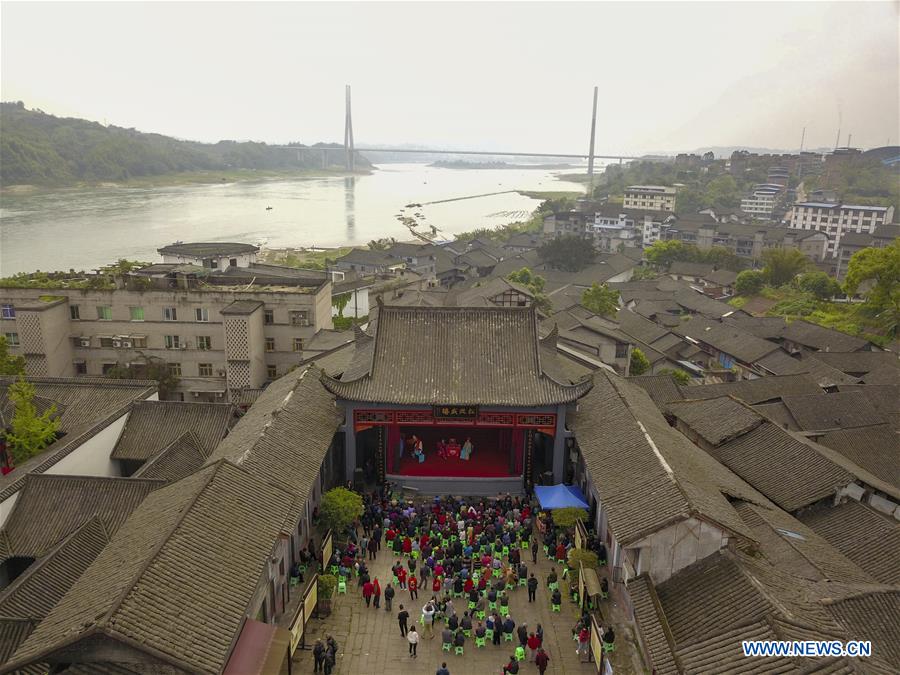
40, 149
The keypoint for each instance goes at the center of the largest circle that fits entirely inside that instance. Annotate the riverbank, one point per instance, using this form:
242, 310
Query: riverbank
190, 178
304, 258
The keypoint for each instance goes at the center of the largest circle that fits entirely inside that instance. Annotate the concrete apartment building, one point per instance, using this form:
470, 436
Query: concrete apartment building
221, 326
613, 226
762, 202
649, 197
835, 220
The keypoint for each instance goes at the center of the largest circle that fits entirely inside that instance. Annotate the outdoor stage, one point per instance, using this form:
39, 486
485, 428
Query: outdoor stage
494, 454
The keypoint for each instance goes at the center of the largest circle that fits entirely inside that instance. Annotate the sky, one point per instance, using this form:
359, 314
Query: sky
505, 76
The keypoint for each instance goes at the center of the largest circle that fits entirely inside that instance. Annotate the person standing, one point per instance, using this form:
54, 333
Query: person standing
372, 547
428, 618
413, 638
329, 660
442, 670
376, 594
532, 587
584, 638
534, 642
413, 586
388, 597
541, 660
402, 619
318, 656
368, 589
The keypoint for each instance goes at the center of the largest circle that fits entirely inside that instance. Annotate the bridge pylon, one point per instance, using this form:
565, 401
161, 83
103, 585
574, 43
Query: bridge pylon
348, 134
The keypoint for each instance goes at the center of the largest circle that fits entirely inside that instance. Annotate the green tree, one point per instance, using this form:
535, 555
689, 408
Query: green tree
819, 284
783, 264
639, 363
749, 282
340, 507
601, 300
663, 253
535, 284
879, 270
566, 517
677, 374
149, 368
29, 431
570, 253
587, 558
722, 193
10, 366
383, 244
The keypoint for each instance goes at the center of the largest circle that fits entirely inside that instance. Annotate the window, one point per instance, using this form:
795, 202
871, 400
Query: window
298, 344
300, 318
268, 316
104, 312
202, 314
106, 342
174, 369
621, 350
170, 314
139, 341
74, 312
80, 368
8, 312
271, 372
233, 262
12, 339
136, 313
106, 367
270, 344
172, 342
205, 369
204, 342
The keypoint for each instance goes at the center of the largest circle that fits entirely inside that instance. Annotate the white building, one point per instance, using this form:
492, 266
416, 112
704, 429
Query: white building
835, 220
649, 197
631, 227
215, 255
761, 204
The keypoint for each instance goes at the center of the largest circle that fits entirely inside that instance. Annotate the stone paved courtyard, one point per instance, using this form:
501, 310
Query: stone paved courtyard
370, 642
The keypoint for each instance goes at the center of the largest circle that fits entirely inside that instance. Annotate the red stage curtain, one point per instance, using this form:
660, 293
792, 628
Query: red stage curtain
518, 443
393, 448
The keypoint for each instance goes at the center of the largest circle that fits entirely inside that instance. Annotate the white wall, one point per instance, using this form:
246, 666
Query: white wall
666, 552
91, 458
6, 508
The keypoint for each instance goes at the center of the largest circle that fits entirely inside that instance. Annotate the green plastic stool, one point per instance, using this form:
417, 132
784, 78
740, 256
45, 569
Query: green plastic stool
446, 646
609, 647
479, 642
504, 610
460, 651
520, 654
472, 604
492, 606
555, 608
489, 633
334, 570
342, 586
523, 581
507, 637
480, 614
554, 586
467, 633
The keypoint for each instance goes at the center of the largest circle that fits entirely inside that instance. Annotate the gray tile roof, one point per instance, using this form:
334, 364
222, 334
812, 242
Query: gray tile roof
729, 339
284, 438
430, 355
51, 507
647, 474
756, 391
153, 425
876, 449
34, 593
716, 420
875, 616
177, 578
842, 410
781, 363
867, 537
862, 363
652, 625
691, 269
766, 327
661, 388
885, 399
783, 466
180, 458
13, 633
822, 339
222, 248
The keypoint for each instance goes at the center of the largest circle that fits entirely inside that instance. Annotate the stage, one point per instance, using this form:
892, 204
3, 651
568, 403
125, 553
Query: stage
497, 454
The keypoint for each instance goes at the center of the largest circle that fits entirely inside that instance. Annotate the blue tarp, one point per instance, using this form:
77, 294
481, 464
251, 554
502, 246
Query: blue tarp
560, 496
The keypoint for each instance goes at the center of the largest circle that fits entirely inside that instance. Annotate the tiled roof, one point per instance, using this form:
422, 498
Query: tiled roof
820, 338
864, 535
702, 304
50, 507
783, 466
766, 327
223, 248
744, 346
861, 363
33, 594
691, 269
652, 625
842, 410
716, 420
640, 328
876, 449
647, 474
722, 277
720, 652
153, 425
284, 437
180, 458
781, 363
484, 355
178, 577
661, 388
885, 399
872, 616
757, 391
241, 307
13, 633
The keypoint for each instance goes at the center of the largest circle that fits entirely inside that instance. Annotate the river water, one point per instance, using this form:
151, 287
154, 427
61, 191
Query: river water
86, 228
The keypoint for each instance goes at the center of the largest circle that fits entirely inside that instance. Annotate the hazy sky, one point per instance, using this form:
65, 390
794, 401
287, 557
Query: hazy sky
499, 76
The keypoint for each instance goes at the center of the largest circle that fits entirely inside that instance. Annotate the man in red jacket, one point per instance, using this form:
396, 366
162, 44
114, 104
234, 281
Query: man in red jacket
534, 643
542, 659
368, 589
413, 588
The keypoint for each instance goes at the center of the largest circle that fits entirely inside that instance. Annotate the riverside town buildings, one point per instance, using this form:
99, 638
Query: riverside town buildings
649, 197
837, 219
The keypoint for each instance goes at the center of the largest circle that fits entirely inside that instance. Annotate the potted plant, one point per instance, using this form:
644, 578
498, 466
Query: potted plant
325, 593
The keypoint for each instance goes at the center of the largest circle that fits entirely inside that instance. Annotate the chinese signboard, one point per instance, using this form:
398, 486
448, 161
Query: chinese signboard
455, 412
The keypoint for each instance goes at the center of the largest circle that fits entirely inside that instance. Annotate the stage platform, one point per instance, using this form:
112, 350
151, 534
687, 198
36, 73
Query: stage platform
461, 486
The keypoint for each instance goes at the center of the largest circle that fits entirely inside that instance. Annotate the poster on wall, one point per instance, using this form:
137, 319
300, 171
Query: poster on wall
297, 628
597, 644
326, 550
312, 597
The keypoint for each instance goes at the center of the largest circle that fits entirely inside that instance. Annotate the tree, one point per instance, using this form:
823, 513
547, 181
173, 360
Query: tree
535, 284
381, 244
566, 517
722, 193
880, 269
152, 368
677, 374
10, 366
587, 558
601, 300
340, 507
663, 253
749, 282
29, 431
570, 253
819, 284
783, 264
639, 363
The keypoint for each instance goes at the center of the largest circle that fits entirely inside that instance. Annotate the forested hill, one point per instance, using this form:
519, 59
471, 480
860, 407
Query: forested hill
40, 149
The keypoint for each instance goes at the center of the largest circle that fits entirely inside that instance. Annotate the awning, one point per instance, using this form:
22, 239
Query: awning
560, 497
261, 649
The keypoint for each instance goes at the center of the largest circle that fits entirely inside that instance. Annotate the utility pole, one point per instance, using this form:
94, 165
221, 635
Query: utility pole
348, 134
849, 138
800, 157
591, 151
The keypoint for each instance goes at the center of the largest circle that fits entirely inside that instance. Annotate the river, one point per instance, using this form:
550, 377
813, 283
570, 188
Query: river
87, 227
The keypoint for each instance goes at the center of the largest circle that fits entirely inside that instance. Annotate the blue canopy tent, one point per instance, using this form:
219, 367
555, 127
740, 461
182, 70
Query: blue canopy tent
560, 497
